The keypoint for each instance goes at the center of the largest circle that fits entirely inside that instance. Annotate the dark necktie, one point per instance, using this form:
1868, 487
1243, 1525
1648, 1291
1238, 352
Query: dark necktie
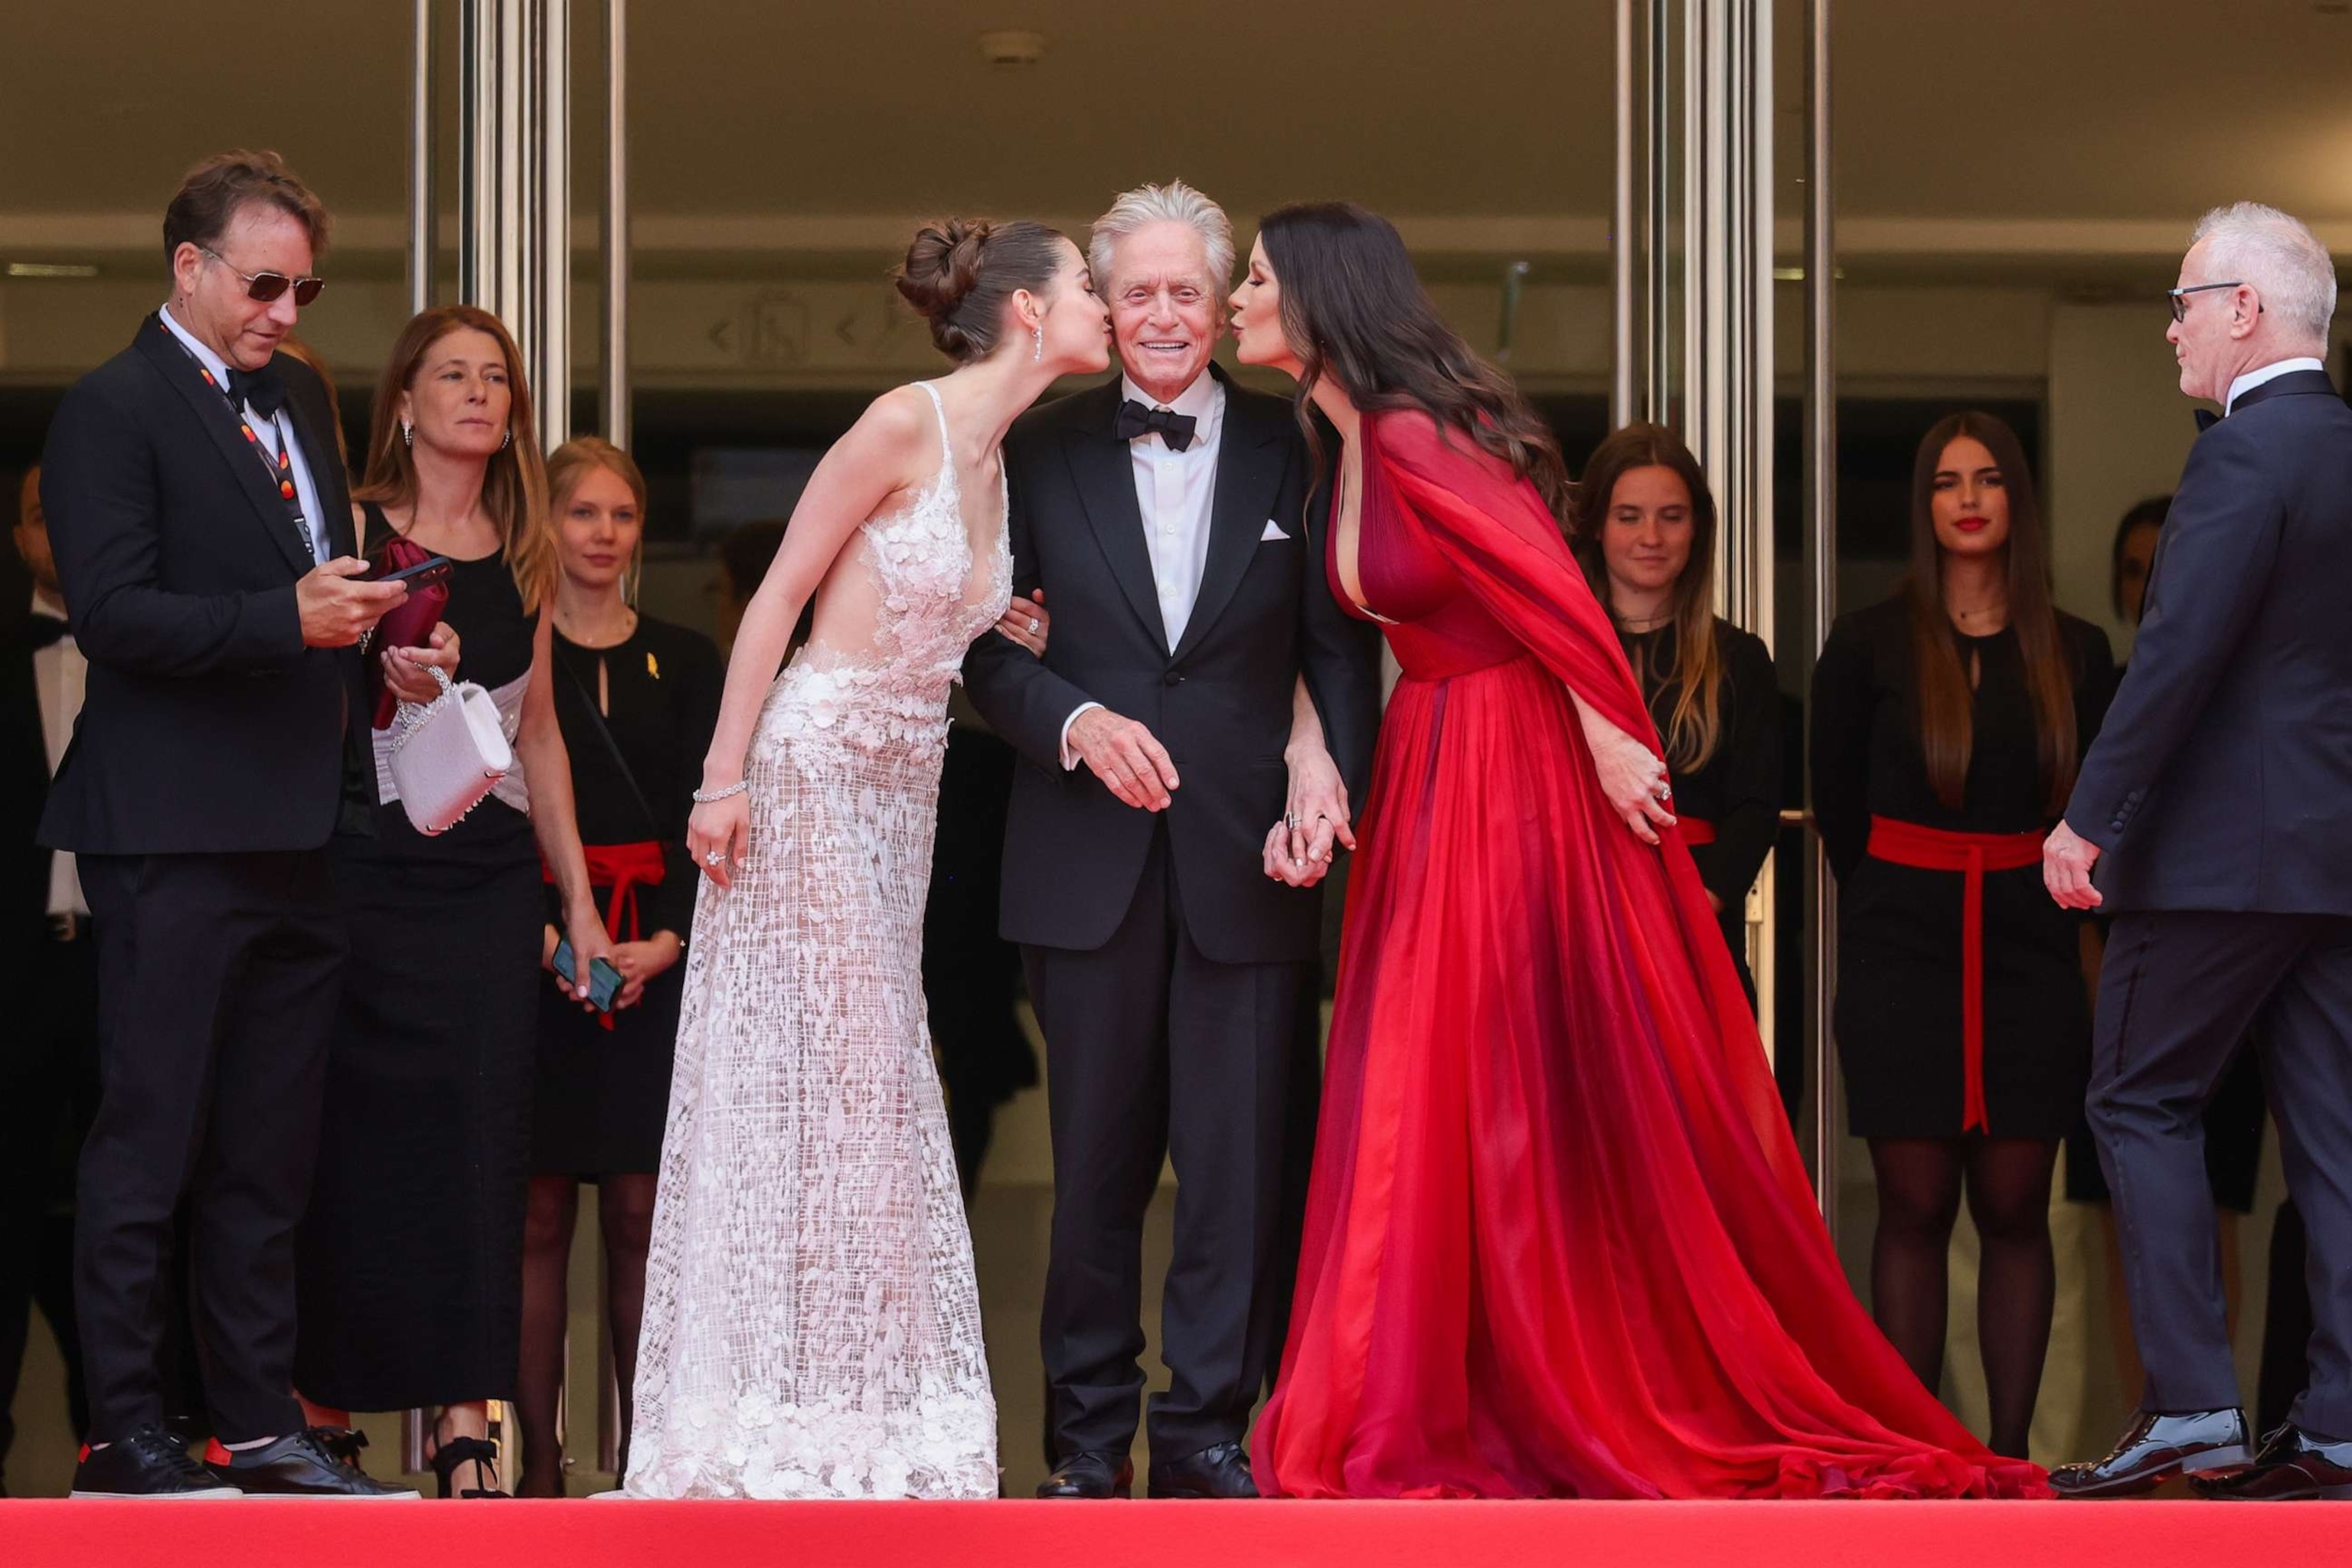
2206, 420
1136, 421
259, 389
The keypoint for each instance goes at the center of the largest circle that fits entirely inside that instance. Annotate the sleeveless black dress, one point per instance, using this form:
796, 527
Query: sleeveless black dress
410, 1273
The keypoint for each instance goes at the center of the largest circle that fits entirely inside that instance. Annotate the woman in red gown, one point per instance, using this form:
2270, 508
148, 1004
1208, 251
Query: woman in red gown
1559, 1241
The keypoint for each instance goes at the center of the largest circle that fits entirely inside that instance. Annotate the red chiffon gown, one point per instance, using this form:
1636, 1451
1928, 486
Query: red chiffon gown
1558, 1240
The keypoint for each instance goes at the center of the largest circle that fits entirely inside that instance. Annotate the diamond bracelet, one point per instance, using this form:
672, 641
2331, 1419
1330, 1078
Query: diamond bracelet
704, 797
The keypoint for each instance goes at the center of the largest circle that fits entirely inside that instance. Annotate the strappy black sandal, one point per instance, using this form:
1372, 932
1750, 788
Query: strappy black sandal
457, 1451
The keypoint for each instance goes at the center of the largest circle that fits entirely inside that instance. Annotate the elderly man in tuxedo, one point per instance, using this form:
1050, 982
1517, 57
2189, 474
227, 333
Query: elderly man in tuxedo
2214, 817
1164, 513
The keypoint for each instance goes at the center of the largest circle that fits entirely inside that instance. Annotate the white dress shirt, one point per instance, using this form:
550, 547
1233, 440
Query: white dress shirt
62, 674
2268, 372
269, 430
1173, 492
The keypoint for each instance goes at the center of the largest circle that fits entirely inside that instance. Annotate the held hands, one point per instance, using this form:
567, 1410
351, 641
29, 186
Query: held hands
718, 835
1025, 621
408, 671
1632, 779
2067, 861
336, 604
1299, 849
640, 963
1131, 764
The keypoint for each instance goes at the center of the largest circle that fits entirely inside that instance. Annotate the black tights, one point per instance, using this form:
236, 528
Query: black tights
2007, 1182
624, 1208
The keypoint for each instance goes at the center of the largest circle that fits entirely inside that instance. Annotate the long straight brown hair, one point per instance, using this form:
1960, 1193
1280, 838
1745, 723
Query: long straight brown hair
1695, 728
1943, 703
514, 489
1354, 310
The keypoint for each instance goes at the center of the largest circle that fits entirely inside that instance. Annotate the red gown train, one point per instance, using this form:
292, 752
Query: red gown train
1559, 1241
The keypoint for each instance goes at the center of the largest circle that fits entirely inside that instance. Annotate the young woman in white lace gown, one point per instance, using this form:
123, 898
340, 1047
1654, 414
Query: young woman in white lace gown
812, 1326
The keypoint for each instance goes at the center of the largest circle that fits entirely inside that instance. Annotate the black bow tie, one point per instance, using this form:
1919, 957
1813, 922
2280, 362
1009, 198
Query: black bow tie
259, 389
1135, 420
2206, 420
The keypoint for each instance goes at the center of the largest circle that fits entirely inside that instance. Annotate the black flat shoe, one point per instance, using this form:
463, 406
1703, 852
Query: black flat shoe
2292, 1464
147, 1463
1219, 1471
2155, 1449
317, 1462
1092, 1474
457, 1451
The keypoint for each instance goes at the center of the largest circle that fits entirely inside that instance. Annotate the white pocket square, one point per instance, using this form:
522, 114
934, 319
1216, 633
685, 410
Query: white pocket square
1273, 531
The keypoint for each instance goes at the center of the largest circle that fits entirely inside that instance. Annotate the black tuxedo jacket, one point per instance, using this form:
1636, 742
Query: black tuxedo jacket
2223, 777
207, 726
1220, 701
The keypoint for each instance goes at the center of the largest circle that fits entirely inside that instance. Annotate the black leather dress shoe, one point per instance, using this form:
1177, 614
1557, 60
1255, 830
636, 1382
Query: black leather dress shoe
318, 1462
1222, 1471
2292, 1464
2155, 1449
147, 1463
1092, 1474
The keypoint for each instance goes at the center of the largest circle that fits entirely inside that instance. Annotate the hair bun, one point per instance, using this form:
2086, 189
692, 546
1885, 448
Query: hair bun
941, 269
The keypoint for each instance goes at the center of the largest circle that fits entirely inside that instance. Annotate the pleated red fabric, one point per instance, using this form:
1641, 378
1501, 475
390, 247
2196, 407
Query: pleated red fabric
1559, 1241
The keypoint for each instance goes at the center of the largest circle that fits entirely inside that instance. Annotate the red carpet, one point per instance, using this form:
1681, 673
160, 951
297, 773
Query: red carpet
588, 1534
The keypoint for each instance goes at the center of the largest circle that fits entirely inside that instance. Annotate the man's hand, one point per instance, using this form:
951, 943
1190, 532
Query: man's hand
1124, 756
336, 607
408, 671
1315, 813
2067, 861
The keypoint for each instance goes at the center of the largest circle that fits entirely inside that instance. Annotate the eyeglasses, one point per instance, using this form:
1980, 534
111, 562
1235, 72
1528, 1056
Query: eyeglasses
2180, 297
265, 286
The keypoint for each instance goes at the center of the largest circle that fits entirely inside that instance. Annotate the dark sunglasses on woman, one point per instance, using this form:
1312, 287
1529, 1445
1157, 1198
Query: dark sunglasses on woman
265, 287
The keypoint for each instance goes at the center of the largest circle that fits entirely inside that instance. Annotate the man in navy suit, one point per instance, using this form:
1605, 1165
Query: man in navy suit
2216, 811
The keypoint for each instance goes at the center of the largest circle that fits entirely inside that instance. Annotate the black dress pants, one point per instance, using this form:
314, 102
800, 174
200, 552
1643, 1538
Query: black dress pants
2176, 998
1154, 1049
218, 976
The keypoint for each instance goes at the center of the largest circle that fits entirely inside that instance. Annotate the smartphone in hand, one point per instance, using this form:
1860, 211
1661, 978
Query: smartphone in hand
605, 981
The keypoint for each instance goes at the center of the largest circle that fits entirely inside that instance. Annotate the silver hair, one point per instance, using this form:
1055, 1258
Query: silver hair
1174, 202
2280, 258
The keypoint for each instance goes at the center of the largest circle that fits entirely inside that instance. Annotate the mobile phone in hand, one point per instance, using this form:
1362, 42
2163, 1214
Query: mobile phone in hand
423, 575
605, 982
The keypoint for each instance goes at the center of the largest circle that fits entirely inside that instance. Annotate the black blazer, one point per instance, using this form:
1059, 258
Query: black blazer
2222, 779
1220, 702
207, 726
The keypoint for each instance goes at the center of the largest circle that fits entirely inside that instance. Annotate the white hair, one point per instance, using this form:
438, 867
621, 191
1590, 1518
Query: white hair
1174, 202
2279, 257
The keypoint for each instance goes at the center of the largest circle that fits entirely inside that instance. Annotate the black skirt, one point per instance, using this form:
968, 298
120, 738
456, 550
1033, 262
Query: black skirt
603, 1094
411, 1261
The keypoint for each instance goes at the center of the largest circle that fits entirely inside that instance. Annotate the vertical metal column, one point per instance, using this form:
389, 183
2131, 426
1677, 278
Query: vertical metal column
1623, 244
1820, 509
614, 355
547, 161
514, 258
423, 209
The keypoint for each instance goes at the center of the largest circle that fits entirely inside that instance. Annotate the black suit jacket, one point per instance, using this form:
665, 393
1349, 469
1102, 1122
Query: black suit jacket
1220, 701
207, 726
2222, 778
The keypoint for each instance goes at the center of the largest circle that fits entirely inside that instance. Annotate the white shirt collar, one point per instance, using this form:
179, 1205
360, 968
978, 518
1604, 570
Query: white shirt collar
196, 346
2268, 372
1202, 401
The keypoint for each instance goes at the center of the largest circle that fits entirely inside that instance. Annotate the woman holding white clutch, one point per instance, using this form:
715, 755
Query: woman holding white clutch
411, 1258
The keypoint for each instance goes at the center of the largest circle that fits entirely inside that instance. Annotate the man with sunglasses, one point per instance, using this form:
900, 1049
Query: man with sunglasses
2216, 808
203, 532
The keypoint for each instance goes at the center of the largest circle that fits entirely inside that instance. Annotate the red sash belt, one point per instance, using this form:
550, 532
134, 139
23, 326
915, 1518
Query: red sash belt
1971, 855
1696, 830
624, 867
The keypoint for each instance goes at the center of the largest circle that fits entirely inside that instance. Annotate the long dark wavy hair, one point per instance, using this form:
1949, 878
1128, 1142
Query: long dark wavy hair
1943, 703
1695, 728
1354, 310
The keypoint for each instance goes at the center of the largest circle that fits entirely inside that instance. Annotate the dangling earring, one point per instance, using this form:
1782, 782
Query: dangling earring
509, 441
407, 434
1039, 356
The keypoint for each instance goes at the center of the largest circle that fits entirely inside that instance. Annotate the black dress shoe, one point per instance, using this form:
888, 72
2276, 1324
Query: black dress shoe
147, 1463
2155, 1449
1222, 1471
2292, 1464
1092, 1474
317, 1462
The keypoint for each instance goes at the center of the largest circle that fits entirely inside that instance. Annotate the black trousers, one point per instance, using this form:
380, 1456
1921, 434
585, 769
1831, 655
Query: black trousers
49, 1092
219, 977
1152, 1048
2176, 997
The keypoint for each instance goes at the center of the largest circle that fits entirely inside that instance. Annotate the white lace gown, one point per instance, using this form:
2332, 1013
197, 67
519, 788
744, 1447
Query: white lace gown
812, 1326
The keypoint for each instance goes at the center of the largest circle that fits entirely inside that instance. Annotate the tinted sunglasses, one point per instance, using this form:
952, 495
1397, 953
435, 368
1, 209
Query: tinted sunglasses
265, 286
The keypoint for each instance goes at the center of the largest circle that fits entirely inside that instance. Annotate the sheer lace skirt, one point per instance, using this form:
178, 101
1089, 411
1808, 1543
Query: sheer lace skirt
811, 1324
